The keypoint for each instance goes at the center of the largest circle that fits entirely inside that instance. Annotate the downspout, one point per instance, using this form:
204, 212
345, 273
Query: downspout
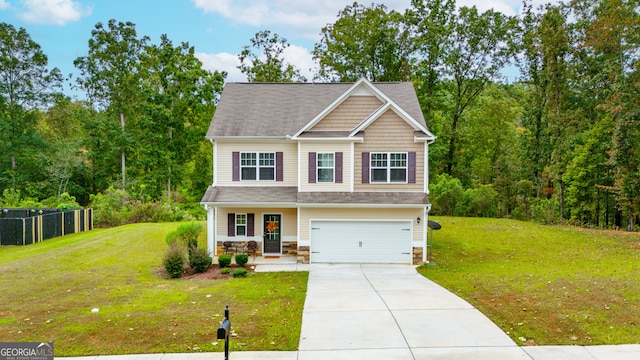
426, 165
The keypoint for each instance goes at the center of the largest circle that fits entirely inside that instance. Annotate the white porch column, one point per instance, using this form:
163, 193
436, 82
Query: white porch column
211, 230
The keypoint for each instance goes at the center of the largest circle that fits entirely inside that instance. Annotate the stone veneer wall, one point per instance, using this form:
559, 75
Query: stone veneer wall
417, 255
289, 248
303, 254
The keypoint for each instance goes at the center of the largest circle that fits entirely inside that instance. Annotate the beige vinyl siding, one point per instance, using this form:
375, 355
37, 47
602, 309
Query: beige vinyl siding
389, 133
325, 147
225, 162
411, 214
289, 220
349, 114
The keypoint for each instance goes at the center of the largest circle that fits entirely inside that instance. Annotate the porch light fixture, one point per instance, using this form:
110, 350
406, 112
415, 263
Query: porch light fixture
418, 220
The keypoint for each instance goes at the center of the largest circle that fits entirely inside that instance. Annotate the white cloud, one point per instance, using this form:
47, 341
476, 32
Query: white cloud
507, 7
307, 17
57, 12
4, 5
301, 58
295, 55
222, 62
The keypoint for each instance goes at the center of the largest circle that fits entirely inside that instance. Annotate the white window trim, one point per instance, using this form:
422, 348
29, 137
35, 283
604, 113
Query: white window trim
257, 166
333, 168
389, 168
245, 225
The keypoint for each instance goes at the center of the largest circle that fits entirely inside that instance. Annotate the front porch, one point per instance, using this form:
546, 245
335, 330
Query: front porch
273, 263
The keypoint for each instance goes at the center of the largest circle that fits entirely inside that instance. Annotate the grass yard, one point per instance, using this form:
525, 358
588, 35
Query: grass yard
49, 290
544, 285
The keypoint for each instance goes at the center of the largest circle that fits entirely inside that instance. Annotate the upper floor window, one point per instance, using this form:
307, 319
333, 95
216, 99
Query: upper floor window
258, 166
389, 167
325, 167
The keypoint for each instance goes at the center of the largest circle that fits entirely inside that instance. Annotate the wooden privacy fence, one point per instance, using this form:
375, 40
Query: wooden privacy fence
29, 226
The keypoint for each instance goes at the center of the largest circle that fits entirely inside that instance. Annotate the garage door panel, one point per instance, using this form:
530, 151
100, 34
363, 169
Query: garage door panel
361, 241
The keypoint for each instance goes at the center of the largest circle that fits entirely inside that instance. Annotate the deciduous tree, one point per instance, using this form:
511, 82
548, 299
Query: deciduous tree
26, 84
268, 63
369, 42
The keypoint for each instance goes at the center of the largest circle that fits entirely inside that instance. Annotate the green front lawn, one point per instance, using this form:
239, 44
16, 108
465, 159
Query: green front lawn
50, 291
543, 285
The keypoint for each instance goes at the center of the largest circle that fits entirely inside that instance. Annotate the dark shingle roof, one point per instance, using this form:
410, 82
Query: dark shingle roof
291, 196
365, 198
254, 195
280, 109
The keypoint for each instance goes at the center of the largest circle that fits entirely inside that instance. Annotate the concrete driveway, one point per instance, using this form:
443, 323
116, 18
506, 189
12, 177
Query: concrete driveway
392, 312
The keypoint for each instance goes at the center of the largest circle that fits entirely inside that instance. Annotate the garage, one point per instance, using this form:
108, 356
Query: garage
358, 241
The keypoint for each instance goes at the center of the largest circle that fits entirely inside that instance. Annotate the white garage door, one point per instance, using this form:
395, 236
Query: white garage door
361, 242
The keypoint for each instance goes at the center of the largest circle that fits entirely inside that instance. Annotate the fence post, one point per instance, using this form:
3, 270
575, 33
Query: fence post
223, 332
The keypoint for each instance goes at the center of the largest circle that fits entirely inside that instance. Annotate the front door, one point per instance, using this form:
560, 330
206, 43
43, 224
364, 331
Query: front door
272, 234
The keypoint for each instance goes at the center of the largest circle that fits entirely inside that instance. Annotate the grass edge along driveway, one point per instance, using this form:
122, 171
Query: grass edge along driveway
544, 285
50, 291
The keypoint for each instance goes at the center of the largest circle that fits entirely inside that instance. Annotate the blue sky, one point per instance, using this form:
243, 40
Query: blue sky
218, 29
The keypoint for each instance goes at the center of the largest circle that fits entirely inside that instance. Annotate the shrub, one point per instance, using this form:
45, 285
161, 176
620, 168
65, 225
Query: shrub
240, 273
64, 201
479, 202
447, 194
242, 259
199, 259
225, 271
109, 209
174, 261
546, 211
186, 235
224, 260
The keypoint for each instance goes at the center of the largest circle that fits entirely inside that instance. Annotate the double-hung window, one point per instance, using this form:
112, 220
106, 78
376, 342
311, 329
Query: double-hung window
258, 166
241, 224
325, 167
389, 167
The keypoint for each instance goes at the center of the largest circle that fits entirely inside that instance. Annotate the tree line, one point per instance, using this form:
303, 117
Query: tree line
559, 141
141, 128
537, 116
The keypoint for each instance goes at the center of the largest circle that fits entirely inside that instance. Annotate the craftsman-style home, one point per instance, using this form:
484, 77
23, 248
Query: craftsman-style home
331, 172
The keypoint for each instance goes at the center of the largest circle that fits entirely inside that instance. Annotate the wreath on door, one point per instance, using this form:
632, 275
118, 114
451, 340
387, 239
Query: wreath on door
272, 226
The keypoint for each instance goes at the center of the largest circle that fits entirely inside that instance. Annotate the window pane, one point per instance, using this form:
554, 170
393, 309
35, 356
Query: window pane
378, 160
398, 175
248, 159
248, 173
267, 173
241, 219
241, 230
325, 160
379, 175
267, 159
398, 159
325, 175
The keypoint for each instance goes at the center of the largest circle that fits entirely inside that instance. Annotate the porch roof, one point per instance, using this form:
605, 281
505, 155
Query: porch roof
283, 196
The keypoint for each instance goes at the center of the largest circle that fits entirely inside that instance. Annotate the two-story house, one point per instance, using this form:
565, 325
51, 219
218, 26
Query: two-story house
327, 172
